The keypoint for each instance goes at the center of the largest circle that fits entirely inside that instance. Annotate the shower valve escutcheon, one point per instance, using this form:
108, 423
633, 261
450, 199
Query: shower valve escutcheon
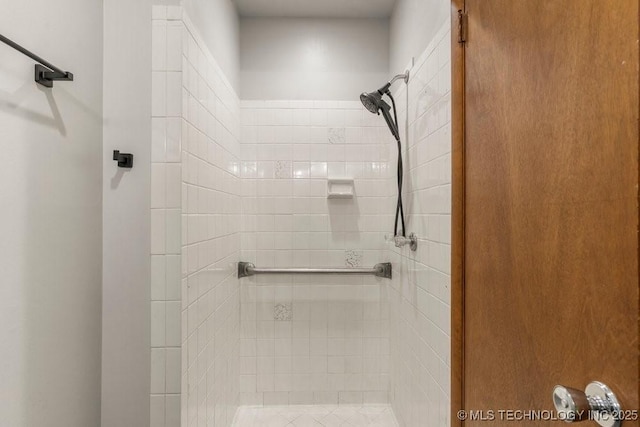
401, 241
597, 403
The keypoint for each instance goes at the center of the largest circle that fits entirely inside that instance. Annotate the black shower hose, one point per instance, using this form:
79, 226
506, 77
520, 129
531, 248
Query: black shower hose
400, 172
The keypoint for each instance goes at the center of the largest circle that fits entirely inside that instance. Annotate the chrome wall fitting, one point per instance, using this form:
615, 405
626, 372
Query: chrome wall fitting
412, 241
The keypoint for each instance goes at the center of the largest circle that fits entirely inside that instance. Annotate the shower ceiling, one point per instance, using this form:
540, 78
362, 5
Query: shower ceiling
316, 8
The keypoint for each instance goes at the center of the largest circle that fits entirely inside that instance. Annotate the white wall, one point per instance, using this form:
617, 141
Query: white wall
217, 22
420, 293
50, 220
166, 201
414, 23
333, 345
312, 59
210, 237
126, 225
195, 224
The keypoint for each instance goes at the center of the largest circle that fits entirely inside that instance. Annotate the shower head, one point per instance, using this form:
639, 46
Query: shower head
373, 101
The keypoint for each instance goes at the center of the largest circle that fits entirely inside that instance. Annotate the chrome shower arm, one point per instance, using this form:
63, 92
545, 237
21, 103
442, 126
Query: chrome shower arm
385, 89
404, 77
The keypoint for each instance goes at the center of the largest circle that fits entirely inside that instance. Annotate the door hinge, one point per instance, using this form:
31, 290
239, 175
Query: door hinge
462, 26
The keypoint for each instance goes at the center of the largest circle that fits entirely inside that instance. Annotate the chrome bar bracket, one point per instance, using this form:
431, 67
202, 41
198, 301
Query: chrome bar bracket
384, 269
243, 269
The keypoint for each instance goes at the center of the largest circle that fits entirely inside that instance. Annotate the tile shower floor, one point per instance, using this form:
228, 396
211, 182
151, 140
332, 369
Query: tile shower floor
315, 416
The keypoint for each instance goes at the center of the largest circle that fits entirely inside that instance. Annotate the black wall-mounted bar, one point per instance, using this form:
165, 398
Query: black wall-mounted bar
46, 73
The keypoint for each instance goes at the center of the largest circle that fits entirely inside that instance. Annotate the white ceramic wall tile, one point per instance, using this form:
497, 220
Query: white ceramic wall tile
157, 410
306, 359
315, 415
419, 295
195, 378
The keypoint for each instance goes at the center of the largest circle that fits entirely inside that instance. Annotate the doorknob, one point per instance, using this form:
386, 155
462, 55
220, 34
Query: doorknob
597, 403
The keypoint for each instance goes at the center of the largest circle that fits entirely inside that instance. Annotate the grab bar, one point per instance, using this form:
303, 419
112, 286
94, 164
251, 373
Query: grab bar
246, 269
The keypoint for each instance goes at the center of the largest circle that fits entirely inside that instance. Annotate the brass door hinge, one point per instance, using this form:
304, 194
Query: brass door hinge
462, 26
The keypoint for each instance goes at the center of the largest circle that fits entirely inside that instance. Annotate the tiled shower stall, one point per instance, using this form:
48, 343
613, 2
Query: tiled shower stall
246, 180
329, 344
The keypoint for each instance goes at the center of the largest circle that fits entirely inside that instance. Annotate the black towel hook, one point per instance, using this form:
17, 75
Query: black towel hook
125, 160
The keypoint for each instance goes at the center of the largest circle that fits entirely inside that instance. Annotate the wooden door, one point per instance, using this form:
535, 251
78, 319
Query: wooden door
547, 181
